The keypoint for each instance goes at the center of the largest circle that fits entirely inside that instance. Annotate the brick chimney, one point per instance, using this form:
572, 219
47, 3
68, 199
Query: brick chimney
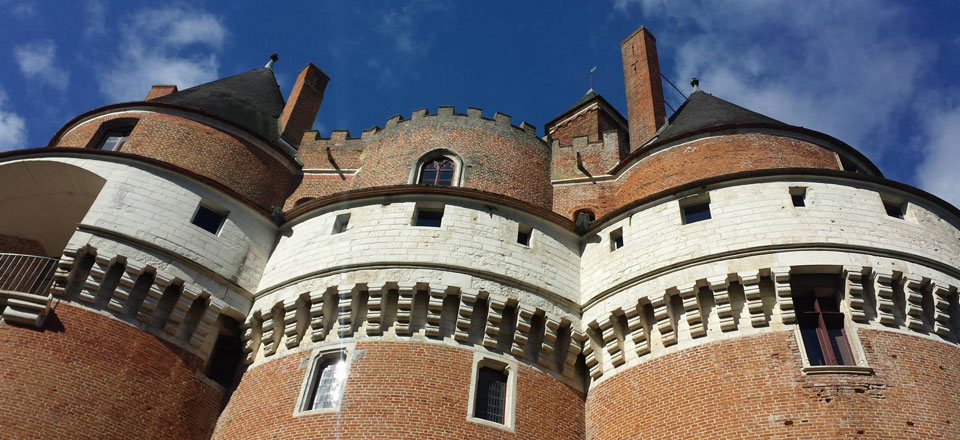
302, 105
641, 79
160, 90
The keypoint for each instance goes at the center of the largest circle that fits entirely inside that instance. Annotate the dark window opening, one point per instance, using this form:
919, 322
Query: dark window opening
848, 165
523, 234
696, 212
340, 224
616, 239
226, 357
798, 196
491, 397
817, 302
893, 209
431, 217
113, 139
439, 172
208, 219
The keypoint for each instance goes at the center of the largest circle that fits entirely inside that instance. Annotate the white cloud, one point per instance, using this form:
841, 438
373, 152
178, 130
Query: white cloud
172, 45
848, 69
37, 62
404, 26
13, 128
937, 172
95, 18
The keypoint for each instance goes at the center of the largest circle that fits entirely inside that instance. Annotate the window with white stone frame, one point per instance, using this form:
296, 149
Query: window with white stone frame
493, 391
825, 335
324, 383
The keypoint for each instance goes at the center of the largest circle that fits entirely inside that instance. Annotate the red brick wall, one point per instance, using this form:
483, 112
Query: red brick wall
692, 161
16, 245
496, 156
752, 388
202, 149
397, 390
86, 376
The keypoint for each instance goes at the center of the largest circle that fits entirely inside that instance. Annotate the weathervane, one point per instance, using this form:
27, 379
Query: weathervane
590, 75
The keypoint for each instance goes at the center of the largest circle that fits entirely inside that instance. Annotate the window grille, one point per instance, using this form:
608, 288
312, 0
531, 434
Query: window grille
491, 395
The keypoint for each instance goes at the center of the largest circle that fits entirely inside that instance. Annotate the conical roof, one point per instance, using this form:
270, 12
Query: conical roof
702, 110
251, 100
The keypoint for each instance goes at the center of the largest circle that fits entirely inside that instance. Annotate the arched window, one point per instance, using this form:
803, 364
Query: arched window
441, 167
439, 171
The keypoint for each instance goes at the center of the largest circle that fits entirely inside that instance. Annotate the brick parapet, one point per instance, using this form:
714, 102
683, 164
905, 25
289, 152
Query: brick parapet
497, 156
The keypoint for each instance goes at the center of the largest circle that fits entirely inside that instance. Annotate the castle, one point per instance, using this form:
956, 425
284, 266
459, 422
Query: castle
200, 264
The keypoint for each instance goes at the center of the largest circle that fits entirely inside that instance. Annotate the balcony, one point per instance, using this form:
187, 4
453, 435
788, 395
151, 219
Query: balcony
24, 287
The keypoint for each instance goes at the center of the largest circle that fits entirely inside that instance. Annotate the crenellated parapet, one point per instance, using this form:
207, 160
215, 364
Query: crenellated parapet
417, 311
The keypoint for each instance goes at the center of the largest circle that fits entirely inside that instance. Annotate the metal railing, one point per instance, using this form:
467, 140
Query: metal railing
26, 273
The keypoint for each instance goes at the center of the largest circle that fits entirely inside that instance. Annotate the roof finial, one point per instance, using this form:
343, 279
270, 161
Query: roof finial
273, 58
695, 82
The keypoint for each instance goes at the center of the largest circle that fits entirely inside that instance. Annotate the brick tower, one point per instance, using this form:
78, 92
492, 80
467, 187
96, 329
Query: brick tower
201, 265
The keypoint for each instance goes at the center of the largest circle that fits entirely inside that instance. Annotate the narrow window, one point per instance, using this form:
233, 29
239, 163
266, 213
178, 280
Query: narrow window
523, 234
327, 387
208, 219
438, 171
340, 224
893, 209
113, 139
695, 209
491, 395
798, 195
817, 301
616, 239
428, 216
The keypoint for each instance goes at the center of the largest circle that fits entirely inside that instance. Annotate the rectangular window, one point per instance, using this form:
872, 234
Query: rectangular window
329, 378
491, 394
428, 216
208, 219
523, 234
114, 139
695, 209
616, 239
817, 302
340, 224
798, 195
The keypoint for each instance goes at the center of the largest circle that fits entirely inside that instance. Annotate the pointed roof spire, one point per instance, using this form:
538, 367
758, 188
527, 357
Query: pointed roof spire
273, 59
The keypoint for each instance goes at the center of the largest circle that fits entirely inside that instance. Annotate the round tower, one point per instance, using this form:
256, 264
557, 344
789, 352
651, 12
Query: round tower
202, 265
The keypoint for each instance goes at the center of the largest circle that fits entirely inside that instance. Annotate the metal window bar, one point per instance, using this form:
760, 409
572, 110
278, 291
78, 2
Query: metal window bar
26, 273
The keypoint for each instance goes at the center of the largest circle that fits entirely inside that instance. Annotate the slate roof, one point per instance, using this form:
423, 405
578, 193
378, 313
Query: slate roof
251, 100
703, 110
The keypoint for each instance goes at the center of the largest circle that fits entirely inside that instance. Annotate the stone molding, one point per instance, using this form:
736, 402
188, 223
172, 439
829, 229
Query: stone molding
419, 311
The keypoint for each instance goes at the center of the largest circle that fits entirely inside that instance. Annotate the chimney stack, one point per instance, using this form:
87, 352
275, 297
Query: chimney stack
302, 105
160, 90
641, 79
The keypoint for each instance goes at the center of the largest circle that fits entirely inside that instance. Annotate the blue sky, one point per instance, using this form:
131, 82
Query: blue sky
880, 75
